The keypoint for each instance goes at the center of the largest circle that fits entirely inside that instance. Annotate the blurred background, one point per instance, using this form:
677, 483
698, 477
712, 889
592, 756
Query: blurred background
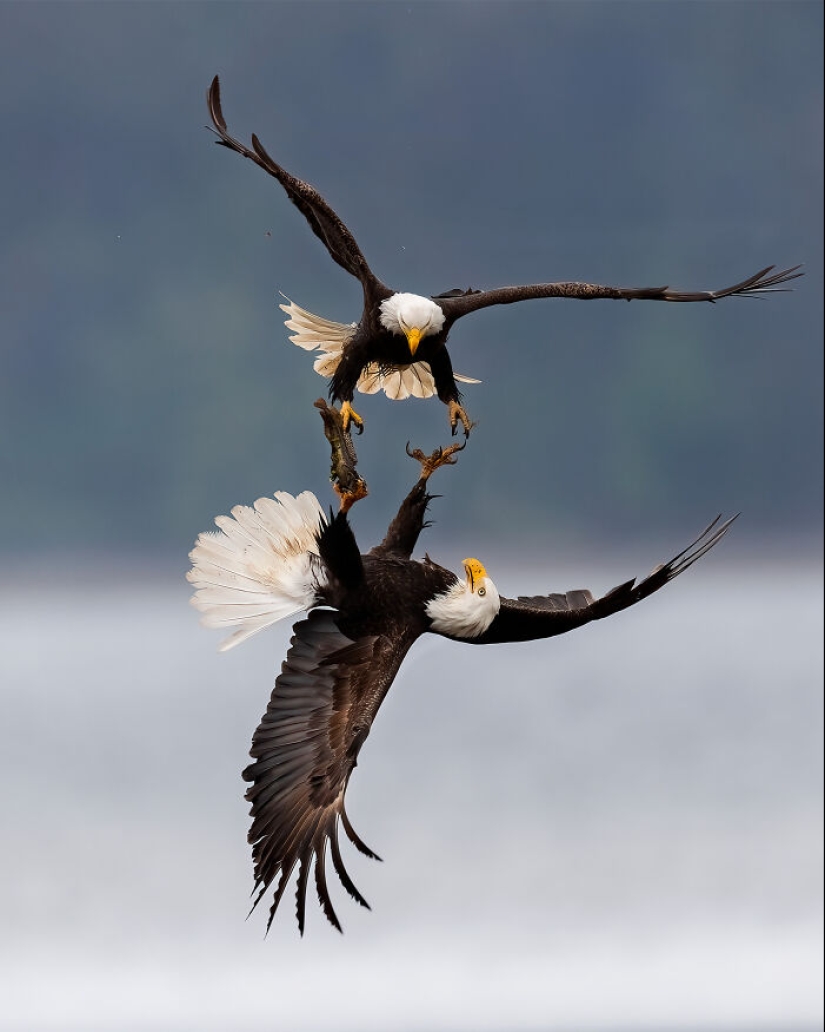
619, 829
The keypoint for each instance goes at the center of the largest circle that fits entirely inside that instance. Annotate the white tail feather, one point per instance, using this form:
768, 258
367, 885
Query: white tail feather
261, 566
314, 333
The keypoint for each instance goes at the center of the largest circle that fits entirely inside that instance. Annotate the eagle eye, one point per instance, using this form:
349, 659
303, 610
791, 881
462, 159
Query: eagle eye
482, 591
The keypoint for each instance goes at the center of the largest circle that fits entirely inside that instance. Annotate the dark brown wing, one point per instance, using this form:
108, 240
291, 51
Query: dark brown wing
323, 221
543, 616
760, 283
304, 751
402, 534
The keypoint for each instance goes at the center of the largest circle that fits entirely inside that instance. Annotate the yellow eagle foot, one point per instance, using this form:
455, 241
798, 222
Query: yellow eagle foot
457, 413
349, 415
440, 457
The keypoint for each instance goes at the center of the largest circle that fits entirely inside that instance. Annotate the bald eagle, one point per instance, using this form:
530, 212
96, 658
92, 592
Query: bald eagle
399, 344
283, 556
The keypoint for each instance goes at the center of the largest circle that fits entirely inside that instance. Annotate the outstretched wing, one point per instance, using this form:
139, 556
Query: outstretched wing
323, 221
402, 534
760, 283
305, 749
543, 616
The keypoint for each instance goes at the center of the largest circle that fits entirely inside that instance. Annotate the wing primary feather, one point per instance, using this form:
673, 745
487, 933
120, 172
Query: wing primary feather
293, 853
761, 283
279, 892
263, 887
321, 887
353, 837
273, 850
341, 871
667, 572
689, 560
301, 887
698, 538
213, 100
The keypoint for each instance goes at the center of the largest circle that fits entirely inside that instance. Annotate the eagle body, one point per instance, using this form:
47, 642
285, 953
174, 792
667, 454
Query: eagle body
283, 556
372, 344
399, 344
390, 599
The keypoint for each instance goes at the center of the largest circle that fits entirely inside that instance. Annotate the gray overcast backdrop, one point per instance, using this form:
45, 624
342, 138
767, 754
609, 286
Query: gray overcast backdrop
619, 829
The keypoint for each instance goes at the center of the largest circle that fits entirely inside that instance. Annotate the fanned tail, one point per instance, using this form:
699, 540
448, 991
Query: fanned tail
261, 565
313, 332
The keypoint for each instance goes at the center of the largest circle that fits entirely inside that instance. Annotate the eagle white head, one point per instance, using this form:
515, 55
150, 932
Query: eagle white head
469, 607
412, 316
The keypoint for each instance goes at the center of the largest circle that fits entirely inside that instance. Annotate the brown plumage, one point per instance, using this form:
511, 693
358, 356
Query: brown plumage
406, 334
343, 659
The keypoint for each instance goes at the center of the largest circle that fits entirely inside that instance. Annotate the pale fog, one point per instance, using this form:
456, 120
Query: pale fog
620, 828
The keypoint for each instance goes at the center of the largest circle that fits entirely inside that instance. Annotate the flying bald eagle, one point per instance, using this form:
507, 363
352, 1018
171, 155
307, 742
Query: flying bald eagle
283, 556
399, 344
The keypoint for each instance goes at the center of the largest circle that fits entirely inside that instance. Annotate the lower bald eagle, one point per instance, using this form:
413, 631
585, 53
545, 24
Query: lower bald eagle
283, 556
399, 344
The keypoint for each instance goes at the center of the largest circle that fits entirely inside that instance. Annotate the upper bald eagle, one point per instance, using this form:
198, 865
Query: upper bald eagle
399, 343
283, 556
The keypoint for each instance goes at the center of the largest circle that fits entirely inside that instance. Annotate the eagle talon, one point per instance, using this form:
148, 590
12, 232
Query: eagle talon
457, 413
440, 457
416, 453
349, 415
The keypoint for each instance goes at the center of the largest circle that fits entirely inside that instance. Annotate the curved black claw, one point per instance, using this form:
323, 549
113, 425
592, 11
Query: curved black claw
457, 413
440, 457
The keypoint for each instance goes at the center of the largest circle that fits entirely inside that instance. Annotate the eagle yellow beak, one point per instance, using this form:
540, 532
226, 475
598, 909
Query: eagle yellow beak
413, 339
475, 572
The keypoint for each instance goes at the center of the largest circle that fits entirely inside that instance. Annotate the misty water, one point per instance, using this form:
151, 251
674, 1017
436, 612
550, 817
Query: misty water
621, 828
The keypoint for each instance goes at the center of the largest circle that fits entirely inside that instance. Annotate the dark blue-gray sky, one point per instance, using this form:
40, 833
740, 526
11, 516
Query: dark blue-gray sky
146, 381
